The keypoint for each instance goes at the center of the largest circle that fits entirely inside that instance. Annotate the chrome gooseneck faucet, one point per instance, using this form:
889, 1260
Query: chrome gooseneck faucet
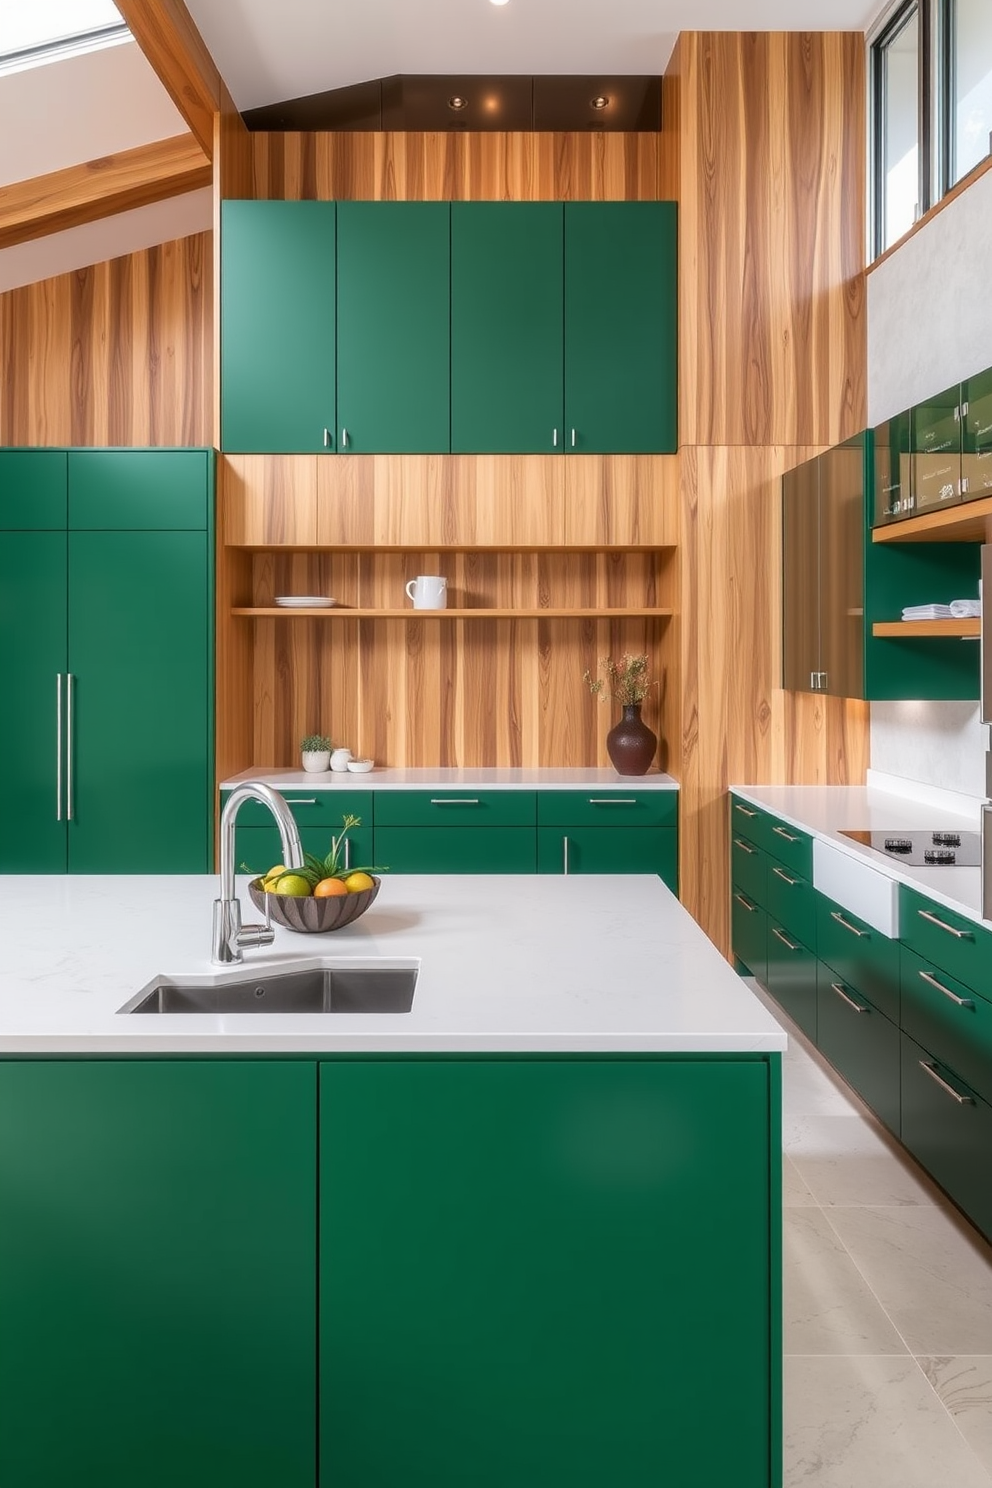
229, 935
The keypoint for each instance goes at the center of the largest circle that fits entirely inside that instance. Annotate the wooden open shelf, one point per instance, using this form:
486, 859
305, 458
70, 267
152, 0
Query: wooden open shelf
967, 522
343, 612
965, 629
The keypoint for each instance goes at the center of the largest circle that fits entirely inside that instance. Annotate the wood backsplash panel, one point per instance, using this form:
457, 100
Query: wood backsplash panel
116, 354
489, 166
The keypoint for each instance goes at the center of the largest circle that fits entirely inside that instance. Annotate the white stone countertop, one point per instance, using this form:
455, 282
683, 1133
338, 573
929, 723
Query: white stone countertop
825, 810
507, 963
447, 779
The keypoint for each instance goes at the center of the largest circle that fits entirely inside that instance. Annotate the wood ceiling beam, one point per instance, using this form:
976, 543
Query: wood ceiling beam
167, 35
98, 188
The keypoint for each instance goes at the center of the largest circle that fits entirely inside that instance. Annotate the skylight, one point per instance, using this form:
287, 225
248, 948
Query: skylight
36, 31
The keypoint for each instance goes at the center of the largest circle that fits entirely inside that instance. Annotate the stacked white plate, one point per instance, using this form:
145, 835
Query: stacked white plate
304, 601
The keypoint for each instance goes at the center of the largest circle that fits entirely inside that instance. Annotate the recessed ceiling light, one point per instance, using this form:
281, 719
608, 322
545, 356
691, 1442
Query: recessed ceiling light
599, 102
457, 103
497, 2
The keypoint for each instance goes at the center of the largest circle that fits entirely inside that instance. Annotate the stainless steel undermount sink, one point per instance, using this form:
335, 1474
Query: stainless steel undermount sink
346, 989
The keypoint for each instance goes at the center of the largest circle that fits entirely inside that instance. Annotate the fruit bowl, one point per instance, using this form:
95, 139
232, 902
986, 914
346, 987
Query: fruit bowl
310, 915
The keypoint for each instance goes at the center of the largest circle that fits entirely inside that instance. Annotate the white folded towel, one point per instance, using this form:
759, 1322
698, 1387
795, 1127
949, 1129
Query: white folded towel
927, 612
966, 609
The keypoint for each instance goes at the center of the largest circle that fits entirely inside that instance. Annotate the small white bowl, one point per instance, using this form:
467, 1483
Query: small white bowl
361, 766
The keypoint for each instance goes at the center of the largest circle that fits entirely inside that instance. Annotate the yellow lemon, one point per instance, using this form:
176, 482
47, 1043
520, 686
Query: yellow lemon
292, 884
356, 882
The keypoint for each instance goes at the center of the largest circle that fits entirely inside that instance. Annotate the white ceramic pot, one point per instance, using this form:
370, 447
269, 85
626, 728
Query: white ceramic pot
340, 758
316, 760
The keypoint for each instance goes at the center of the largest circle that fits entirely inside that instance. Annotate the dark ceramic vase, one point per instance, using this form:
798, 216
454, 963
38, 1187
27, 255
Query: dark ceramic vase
630, 744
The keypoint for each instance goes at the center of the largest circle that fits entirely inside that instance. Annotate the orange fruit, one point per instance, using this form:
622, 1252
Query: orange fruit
328, 888
356, 882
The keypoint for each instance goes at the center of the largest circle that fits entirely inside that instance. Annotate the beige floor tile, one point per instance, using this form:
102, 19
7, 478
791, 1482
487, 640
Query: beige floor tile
929, 1269
964, 1384
828, 1308
795, 1193
863, 1422
846, 1160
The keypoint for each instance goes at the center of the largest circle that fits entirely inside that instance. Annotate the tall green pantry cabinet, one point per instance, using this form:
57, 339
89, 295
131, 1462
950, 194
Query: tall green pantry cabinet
106, 583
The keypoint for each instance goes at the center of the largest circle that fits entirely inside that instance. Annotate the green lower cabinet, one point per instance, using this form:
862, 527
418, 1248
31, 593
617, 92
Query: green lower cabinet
792, 977
256, 849
530, 1293
949, 1019
610, 850
948, 1128
748, 867
791, 901
860, 1043
456, 849
861, 955
157, 1273
749, 934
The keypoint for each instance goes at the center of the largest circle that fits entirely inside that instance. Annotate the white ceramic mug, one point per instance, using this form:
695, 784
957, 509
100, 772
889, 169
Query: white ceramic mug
428, 592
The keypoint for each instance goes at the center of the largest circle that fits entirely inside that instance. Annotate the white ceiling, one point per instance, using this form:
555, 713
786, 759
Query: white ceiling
272, 50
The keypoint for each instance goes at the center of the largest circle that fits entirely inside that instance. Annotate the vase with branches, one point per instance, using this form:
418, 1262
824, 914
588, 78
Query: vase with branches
630, 744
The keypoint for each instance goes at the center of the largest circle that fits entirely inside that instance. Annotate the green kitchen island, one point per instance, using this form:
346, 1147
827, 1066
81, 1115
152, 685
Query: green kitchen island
525, 1235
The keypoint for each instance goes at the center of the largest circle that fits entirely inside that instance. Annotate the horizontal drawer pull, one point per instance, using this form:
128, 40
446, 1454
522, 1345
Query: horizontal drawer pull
932, 981
455, 801
744, 811
790, 945
925, 914
861, 934
857, 1006
781, 873
300, 800
751, 908
789, 837
962, 1100
751, 851
612, 800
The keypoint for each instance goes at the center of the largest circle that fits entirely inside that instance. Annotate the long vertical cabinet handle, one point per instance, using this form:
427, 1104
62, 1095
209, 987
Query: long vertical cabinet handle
344, 438
573, 438
564, 845
58, 746
347, 853
69, 803
554, 439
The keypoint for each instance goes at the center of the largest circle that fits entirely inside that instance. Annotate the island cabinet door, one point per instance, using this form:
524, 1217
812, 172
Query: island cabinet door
157, 1273
792, 976
527, 1267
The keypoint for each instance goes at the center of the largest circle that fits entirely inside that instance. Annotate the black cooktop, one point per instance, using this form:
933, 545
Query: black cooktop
925, 849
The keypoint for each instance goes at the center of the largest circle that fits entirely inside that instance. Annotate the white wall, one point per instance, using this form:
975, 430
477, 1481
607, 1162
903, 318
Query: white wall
930, 325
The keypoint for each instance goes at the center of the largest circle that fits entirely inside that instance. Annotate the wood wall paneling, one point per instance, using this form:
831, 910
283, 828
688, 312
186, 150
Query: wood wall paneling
119, 353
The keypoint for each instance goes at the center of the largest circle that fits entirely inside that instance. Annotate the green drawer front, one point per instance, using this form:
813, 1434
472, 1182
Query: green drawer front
311, 808
789, 845
948, 1019
792, 977
749, 934
32, 490
949, 1129
257, 849
949, 940
748, 868
609, 850
791, 900
462, 808
748, 821
131, 490
601, 808
456, 849
860, 955
860, 1043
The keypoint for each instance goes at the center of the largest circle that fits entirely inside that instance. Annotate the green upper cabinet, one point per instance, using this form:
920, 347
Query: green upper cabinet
32, 490
393, 327
139, 490
621, 307
893, 484
33, 666
936, 451
507, 332
976, 457
139, 632
278, 326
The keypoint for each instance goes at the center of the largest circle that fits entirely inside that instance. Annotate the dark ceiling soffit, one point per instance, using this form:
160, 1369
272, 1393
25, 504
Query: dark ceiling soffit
496, 103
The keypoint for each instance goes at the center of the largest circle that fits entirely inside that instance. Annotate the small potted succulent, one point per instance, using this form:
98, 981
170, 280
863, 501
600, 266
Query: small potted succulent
316, 751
